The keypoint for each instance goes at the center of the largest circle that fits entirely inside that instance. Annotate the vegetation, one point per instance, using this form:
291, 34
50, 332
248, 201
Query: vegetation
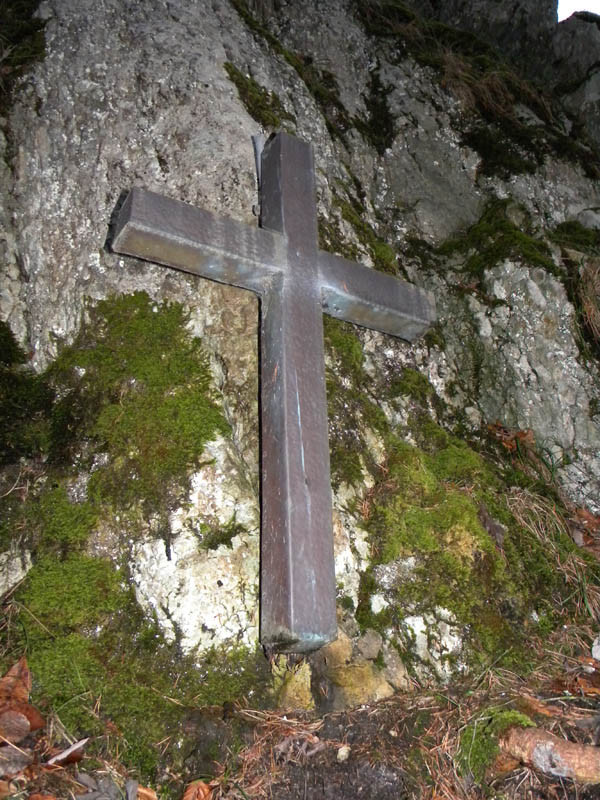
24, 401
489, 91
136, 386
127, 409
495, 237
453, 524
378, 127
22, 43
263, 106
581, 254
479, 741
321, 84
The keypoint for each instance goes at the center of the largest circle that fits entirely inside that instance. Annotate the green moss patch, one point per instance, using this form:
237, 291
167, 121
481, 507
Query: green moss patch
321, 83
430, 510
495, 237
378, 127
107, 672
385, 258
24, 402
22, 43
479, 740
581, 280
106, 439
351, 408
263, 106
213, 537
136, 386
433, 518
576, 236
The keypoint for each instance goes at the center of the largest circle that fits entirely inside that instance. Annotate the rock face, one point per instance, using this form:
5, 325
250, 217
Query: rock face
428, 166
562, 55
512, 28
575, 72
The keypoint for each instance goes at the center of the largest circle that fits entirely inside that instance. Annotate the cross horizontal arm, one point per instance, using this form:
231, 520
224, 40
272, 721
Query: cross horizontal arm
373, 299
165, 231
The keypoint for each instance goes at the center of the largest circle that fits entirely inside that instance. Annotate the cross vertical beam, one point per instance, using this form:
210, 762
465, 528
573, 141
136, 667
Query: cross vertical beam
297, 563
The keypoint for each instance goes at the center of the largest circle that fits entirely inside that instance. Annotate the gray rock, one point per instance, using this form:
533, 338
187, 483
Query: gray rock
369, 645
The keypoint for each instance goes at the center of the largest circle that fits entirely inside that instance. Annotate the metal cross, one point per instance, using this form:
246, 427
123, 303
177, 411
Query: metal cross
296, 283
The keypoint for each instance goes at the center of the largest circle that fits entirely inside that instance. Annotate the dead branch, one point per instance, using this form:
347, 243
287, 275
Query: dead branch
553, 756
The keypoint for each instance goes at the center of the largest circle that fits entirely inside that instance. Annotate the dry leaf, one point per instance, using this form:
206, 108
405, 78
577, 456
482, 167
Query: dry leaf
16, 684
19, 719
13, 760
587, 687
41, 797
7, 789
587, 519
197, 790
14, 726
146, 794
71, 755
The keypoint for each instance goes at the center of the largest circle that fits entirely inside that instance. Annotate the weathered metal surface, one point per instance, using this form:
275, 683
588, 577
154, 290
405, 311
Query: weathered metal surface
296, 282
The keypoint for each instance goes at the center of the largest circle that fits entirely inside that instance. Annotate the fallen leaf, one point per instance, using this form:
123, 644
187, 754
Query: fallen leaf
16, 684
14, 726
588, 686
41, 797
587, 519
13, 760
197, 790
146, 794
19, 719
7, 789
69, 756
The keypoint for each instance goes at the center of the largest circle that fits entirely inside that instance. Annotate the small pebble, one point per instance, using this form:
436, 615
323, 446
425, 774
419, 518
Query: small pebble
343, 753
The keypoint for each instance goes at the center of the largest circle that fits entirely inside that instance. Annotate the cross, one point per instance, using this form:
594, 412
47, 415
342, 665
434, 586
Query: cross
296, 282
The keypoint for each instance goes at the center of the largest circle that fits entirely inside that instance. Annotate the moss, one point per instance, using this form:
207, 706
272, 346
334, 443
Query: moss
384, 256
139, 390
580, 280
379, 127
346, 602
413, 384
423, 517
263, 106
332, 240
426, 511
63, 526
128, 406
22, 43
574, 235
24, 402
365, 616
501, 155
212, 537
66, 594
321, 84
11, 353
493, 238
479, 740
108, 672
124, 696
351, 410
434, 337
